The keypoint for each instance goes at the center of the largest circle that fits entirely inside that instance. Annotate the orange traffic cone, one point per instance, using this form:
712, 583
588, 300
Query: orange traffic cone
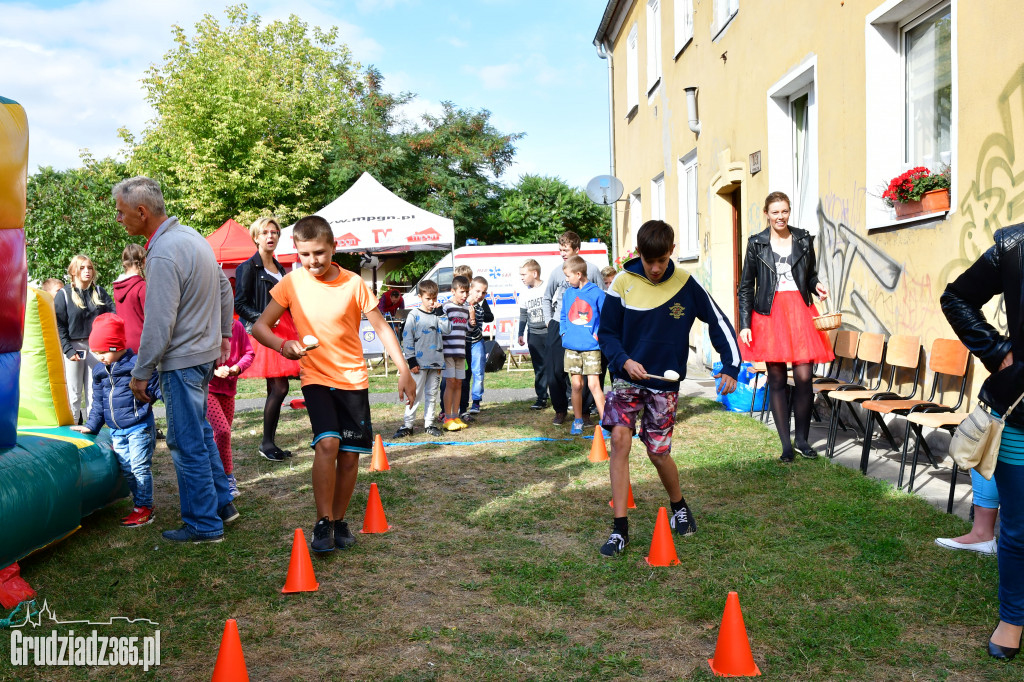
732, 653
379, 462
374, 520
598, 452
230, 666
630, 504
300, 569
663, 550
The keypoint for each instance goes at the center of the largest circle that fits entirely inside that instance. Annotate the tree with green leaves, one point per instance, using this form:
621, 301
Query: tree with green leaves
71, 212
245, 114
538, 209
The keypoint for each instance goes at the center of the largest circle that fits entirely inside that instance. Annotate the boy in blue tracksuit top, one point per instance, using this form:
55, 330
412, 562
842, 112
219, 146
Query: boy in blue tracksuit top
131, 422
578, 323
645, 325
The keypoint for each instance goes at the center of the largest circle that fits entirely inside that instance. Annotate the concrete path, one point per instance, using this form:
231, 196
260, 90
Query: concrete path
931, 484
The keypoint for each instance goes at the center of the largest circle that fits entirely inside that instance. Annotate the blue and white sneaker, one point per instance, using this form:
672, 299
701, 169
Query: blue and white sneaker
577, 427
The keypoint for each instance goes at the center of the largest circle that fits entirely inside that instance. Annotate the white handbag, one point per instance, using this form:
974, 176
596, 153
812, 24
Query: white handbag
975, 445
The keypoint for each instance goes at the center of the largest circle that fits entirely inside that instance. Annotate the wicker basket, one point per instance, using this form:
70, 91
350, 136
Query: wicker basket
828, 321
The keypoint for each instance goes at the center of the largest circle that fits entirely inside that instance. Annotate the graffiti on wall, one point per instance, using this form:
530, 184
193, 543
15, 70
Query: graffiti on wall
840, 249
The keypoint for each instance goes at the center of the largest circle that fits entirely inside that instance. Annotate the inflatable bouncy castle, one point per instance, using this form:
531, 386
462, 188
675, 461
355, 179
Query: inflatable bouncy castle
50, 475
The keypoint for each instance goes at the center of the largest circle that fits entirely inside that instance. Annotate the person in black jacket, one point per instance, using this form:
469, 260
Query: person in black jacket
77, 305
776, 318
1000, 271
253, 281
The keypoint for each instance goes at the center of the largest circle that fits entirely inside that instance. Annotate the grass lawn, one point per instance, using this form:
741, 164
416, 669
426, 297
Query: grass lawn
492, 572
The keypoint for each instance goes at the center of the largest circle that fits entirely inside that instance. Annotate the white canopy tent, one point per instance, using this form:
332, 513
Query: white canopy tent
369, 218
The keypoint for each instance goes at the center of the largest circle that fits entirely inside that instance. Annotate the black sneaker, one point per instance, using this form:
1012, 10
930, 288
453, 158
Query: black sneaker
403, 432
433, 431
616, 543
559, 419
343, 538
323, 536
474, 408
467, 417
682, 521
184, 534
807, 452
539, 405
273, 454
228, 513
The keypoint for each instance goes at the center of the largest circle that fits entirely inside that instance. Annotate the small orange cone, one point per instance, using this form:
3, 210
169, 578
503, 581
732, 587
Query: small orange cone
300, 569
663, 550
230, 666
630, 504
732, 653
374, 521
379, 462
598, 452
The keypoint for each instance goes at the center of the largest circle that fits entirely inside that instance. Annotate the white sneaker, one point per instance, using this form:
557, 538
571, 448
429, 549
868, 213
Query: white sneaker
987, 547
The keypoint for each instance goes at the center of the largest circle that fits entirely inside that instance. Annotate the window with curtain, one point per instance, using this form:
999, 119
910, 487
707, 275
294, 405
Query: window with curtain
928, 88
653, 43
688, 206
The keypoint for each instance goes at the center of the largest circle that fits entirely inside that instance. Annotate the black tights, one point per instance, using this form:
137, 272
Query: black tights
803, 399
277, 391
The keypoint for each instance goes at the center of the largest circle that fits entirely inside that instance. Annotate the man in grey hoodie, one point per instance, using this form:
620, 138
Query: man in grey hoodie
186, 333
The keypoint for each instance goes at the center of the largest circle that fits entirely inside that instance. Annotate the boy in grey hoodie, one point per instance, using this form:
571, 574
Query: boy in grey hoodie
423, 348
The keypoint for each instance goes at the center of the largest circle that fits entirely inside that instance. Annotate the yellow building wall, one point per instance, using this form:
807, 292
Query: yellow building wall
886, 279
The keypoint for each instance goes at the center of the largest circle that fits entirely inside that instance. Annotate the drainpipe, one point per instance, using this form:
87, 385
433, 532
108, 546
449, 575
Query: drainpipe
691, 109
604, 52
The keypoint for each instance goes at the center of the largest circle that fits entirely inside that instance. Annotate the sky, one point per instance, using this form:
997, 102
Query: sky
76, 67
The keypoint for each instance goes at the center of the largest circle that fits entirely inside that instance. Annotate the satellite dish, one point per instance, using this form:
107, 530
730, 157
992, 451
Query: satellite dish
604, 189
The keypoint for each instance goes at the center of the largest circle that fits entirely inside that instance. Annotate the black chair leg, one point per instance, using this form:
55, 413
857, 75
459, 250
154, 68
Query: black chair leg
903, 459
887, 433
866, 449
833, 430
913, 465
952, 489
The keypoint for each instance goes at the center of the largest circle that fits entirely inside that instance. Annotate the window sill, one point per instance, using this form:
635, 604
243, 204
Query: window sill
685, 45
917, 221
717, 33
654, 88
632, 112
688, 258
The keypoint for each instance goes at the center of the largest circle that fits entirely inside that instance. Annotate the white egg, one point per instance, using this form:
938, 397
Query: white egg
309, 340
672, 374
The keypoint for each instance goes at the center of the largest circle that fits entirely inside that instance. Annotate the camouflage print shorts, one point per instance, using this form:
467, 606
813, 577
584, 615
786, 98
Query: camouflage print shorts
625, 401
585, 362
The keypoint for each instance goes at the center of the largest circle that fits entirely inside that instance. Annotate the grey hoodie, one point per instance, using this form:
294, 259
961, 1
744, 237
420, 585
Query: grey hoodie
189, 305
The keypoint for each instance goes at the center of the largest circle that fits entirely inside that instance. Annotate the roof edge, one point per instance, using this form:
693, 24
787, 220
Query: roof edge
606, 19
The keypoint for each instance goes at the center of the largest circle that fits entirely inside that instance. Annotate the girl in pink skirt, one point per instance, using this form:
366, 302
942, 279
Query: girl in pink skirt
776, 318
220, 401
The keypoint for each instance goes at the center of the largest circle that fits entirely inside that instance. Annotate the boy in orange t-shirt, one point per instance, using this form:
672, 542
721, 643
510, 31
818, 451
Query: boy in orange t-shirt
325, 302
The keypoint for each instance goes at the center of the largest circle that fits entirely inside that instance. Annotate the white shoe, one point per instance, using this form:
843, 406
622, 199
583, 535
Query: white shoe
987, 547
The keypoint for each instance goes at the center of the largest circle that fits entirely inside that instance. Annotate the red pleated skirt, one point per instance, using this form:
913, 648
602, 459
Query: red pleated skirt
787, 334
270, 363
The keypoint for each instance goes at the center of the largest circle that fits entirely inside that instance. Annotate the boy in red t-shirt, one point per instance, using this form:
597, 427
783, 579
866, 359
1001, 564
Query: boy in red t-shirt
325, 302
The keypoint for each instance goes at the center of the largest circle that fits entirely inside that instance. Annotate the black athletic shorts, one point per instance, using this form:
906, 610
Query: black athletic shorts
342, 414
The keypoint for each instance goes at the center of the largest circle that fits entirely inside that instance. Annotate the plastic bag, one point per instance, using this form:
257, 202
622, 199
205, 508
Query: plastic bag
739, 400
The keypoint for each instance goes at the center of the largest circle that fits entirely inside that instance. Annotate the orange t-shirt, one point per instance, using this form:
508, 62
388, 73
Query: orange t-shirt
330, 311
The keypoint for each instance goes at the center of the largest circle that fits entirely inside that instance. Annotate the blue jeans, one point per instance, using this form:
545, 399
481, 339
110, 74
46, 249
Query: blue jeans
476, 366
202, 483
1010, 481
134, 452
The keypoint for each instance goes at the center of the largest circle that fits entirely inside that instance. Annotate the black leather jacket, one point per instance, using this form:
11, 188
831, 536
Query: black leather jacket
252, 289
1000, 270
759, 279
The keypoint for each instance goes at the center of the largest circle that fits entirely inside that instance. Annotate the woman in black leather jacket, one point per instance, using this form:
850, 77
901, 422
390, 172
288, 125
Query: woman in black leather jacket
1000, 270
776, 318
253, 281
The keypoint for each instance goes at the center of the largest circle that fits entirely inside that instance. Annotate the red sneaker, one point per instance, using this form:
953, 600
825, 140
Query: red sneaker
140, 516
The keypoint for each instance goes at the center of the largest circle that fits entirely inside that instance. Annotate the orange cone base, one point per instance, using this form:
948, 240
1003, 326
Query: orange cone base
230, 666
630, 503
755, 673
379, 460
374, 521
733, 657
663, 549
300, 568
598, 451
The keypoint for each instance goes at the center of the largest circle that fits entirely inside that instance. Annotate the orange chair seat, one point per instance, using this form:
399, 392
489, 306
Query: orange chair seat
853, 396
888, 406
828, 386
935, 420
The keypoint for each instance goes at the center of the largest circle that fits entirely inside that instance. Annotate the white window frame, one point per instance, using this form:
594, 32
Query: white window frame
654, 71
683, 21
689, 233
636, 217
632, 70
658, 197
724, 12
781, 171
885, 102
